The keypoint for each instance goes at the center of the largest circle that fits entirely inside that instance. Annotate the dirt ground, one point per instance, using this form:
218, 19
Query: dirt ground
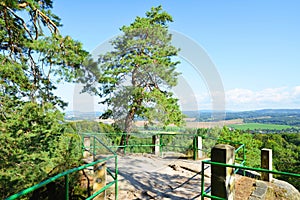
151, 177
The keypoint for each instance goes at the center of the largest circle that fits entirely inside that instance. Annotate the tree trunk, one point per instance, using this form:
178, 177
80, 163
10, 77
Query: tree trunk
128, 128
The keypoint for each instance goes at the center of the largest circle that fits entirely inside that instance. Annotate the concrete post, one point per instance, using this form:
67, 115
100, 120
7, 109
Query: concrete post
87, 146
266, 163
222, 178
197, 144
155, 141
199, 147
99, 180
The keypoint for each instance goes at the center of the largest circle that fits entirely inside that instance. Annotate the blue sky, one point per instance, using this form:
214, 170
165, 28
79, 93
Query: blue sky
254, 45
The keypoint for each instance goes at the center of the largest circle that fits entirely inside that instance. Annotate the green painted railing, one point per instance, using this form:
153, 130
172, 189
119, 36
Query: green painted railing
205, 194
240, 150
126, 147
68, 172
99, 145
163, 143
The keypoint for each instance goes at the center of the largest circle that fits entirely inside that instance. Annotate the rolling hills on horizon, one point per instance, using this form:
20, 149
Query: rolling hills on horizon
265, 116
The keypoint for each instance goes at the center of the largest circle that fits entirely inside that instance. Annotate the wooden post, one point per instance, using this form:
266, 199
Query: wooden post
222, 178
266, 163
99, 180
156, 142
87, 146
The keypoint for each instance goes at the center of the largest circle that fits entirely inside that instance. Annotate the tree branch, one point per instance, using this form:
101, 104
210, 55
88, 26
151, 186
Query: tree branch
35, 26
20, 18
48, 21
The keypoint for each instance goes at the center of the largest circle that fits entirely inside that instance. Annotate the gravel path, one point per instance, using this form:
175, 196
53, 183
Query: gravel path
152, 177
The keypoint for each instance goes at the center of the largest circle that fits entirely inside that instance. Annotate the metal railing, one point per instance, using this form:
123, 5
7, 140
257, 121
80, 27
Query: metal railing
103, 146
115, 177
145, 140
204, 193
77, 169
127, 147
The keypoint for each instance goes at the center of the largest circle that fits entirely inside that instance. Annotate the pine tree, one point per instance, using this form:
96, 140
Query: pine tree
34, 57
137, 76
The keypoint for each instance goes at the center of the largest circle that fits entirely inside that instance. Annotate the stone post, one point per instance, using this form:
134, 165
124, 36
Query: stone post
266, 163
155, 141
197, 144
87, 146
199, 147
222, 178
99, 180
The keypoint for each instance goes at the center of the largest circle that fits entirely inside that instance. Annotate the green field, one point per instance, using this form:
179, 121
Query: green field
252, 126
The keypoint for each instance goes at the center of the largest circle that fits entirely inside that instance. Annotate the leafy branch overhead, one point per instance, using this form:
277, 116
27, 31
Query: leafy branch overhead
34, 56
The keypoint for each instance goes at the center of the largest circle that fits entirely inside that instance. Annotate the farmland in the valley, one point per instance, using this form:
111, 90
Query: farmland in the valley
253, 126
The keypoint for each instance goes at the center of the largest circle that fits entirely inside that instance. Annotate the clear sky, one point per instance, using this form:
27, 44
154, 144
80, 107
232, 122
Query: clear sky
255, 45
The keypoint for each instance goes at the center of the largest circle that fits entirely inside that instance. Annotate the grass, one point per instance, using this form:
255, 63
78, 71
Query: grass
252, 126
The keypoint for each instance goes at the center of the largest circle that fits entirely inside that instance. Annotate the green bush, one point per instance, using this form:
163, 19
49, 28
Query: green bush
34, 147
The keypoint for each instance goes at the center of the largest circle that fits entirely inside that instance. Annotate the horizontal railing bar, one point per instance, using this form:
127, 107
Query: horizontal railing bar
101, 190
141, 145
251, 168
135, 145
178, 147
49, 180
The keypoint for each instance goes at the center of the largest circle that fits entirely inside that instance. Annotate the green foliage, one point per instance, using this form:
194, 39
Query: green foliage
135, 78
89, 127
177, 143
285, 149
34, 147
286, 153
257, 126
253, 146
209, 140
293, 138
34, 57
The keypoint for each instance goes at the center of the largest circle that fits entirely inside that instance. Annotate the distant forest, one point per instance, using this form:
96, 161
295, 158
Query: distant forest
289, 117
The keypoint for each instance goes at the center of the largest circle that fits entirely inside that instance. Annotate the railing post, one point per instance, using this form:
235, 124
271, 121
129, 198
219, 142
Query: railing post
266, 163
200, 146
244, 158
94, 147
86, 146
116, 178
100, 180
125, 143
202, 181
197, 147
156, 143
161, 145
67, 187
222, 178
